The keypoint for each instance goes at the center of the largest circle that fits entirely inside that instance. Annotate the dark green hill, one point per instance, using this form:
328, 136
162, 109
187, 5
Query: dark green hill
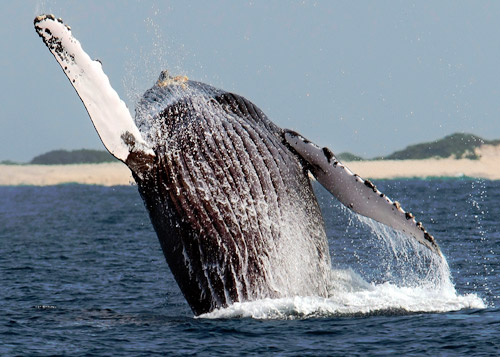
347, 156
458, 145
63, 157
9, 162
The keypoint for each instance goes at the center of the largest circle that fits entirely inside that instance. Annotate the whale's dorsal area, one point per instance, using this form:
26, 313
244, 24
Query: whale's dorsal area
227, 190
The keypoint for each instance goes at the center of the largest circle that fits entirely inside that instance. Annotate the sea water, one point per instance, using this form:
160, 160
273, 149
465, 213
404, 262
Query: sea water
82, 273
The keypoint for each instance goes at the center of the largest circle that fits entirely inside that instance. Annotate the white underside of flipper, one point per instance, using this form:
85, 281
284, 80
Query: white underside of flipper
109, 114
359, 195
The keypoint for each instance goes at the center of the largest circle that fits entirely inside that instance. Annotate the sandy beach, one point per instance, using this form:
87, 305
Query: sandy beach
487, 167
109, 174
112, 174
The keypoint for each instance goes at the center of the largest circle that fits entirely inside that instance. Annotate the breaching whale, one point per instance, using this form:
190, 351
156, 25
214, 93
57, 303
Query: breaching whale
228, 192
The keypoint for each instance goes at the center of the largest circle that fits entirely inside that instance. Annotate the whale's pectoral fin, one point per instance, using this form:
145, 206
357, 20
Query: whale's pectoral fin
359, 195
108, 112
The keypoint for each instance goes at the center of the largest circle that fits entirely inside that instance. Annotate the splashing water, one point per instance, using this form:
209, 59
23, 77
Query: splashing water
476, 199
405, 261
149, 55
386, 299
416, 280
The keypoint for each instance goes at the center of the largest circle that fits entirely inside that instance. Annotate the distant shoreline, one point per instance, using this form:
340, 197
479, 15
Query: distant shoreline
429, 168
486, 167
115, 174
106, 174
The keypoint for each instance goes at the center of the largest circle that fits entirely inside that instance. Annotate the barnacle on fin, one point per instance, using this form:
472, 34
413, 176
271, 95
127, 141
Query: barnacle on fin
429, 238
370, 184
328, 154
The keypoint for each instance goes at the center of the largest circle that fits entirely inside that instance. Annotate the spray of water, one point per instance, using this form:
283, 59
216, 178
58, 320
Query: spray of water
40, 7
406, 262
148, 56
476, 199
413, 280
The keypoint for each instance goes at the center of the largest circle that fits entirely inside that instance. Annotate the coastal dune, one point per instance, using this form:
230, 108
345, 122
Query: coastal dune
112, 174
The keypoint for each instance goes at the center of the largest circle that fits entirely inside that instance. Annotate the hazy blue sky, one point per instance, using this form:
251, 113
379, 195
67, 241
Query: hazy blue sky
368, 77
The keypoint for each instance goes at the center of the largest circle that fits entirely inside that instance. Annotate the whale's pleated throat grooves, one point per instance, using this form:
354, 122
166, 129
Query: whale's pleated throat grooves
240, 206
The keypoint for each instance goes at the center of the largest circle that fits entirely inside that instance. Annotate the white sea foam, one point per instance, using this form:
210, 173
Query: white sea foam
354, 297
422, 283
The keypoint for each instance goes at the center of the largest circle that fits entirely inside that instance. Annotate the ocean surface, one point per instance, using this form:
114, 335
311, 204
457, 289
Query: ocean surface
82, 273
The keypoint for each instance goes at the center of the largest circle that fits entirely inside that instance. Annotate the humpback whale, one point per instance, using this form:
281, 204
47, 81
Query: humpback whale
228, 192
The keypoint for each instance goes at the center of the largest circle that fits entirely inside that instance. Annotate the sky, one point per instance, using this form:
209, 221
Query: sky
368, 77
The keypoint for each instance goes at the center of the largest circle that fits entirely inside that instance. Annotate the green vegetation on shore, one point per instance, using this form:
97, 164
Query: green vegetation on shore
458, 146
64, 157
9, 162
347, 156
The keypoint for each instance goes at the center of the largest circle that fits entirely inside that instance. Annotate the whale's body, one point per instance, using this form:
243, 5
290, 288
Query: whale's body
232, 206
227, 191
